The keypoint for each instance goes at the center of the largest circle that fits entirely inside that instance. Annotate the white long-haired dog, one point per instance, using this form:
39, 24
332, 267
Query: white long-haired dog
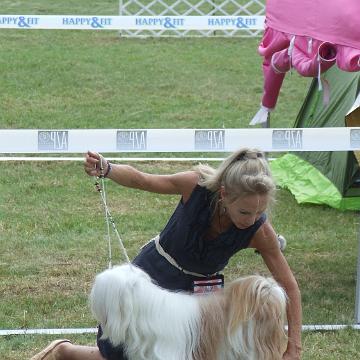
244, 321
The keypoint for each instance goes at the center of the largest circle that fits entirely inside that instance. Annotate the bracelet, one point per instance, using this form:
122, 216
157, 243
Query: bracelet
108, 169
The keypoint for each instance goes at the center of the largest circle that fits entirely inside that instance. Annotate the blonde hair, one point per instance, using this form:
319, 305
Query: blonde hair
245, 172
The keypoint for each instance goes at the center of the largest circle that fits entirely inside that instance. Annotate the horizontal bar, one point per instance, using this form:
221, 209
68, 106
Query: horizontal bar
48, 331
100, 22
178, 140
330, 327
119, 159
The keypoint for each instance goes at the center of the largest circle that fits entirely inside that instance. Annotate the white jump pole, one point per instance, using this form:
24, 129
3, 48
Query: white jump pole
357, 295
305, 328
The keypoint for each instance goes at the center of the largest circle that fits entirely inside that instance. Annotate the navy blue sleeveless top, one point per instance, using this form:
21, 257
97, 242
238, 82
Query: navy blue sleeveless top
183, 238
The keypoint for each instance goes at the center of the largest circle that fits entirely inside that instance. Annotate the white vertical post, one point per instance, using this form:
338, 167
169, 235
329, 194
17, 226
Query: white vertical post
357, 295
120, 7
120, 11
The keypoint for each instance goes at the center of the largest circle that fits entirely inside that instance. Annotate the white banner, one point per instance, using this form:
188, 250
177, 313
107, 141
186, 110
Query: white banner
99, 22
178, 140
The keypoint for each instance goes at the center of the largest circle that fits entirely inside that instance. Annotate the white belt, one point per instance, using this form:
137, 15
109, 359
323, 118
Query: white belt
171, 260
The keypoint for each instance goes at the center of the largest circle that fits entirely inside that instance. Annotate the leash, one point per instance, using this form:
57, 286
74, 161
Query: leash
100, 187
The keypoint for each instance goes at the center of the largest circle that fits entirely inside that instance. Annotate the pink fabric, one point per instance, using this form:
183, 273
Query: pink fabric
273, 41
348, 59
305, 59
309, 36
336, 21
304, 56
281, 61
307, 63
272, 84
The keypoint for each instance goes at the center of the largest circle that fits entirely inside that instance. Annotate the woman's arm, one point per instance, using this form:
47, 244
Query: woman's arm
180, 183
265, 241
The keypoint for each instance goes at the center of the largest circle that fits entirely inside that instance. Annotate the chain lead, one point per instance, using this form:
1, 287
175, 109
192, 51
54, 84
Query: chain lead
108, 217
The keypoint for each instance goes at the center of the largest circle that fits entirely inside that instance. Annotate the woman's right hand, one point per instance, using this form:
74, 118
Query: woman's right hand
93, 162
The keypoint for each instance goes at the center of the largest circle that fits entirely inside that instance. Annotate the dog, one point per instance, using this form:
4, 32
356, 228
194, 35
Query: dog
245, 320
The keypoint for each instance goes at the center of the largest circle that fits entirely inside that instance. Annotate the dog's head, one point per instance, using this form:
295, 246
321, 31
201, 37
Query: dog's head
256, 312
112, 299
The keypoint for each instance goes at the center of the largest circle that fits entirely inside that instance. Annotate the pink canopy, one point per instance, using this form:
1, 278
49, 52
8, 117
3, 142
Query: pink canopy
309, 36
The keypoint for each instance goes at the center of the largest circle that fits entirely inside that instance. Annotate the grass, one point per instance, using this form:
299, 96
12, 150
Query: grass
52, 231
96, 80
77, 79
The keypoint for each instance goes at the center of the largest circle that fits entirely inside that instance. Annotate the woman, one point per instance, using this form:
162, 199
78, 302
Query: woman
220, 212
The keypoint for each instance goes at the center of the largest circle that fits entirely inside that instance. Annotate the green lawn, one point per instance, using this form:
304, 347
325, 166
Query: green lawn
52, 230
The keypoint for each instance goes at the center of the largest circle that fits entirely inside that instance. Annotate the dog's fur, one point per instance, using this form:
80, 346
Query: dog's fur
244, 321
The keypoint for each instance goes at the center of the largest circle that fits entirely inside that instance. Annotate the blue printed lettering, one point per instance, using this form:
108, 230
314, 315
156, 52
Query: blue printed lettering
7, 20
239, 22
22, 22
95, 22
167, 22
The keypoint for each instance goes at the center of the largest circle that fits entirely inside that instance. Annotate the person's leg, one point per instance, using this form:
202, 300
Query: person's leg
68, 351
65, 350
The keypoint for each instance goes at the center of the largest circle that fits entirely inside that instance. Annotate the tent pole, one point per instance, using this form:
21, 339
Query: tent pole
357, 295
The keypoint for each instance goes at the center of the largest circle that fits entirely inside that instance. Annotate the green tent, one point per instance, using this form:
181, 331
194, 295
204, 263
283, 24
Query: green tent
331, 178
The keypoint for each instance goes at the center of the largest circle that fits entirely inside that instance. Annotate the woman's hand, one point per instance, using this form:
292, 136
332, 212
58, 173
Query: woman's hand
93, 162
292, 355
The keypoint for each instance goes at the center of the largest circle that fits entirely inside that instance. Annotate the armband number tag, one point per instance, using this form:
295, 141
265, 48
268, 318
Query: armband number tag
208, 284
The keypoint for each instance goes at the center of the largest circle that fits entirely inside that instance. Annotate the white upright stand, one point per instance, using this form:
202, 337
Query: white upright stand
357, 295
120, 12
352, 118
